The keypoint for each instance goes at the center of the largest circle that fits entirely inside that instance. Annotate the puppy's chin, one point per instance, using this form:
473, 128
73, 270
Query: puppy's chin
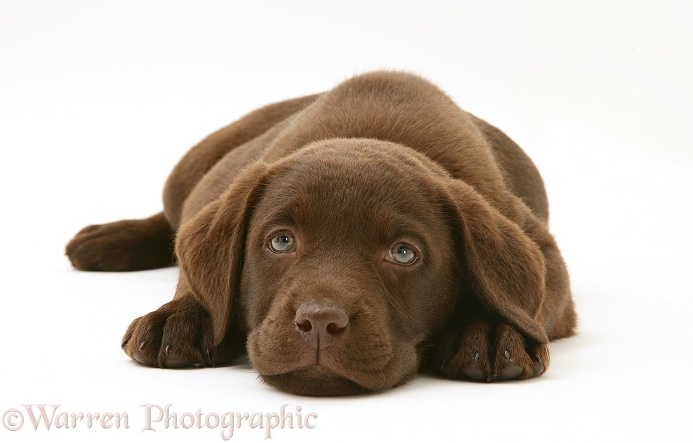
317, 381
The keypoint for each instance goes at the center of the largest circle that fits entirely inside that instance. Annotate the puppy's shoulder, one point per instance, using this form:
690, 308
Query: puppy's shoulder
389, 86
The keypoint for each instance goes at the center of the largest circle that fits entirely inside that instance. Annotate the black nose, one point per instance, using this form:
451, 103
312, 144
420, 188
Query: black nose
319, 324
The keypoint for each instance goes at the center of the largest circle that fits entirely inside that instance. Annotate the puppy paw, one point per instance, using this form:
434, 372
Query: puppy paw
177, 335
126, 245
489, 353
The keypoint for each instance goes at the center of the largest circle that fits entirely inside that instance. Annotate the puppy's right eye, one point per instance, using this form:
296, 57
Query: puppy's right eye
282, 242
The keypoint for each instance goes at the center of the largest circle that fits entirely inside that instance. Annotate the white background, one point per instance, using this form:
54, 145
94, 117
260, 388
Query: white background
98, 101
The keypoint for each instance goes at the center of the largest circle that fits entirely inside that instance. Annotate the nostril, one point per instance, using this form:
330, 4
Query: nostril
335, 329
304, 326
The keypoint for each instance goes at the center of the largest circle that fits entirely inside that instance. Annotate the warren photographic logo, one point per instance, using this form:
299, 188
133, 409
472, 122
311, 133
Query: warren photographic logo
153, 418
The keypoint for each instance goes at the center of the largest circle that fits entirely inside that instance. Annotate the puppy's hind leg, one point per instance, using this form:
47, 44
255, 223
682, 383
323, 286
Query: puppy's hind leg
126, 245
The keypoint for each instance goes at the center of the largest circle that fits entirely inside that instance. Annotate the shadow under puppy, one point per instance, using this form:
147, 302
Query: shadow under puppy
347, 240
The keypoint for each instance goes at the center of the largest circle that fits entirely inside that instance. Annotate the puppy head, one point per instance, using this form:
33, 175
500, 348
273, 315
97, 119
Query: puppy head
344, 260
349, 268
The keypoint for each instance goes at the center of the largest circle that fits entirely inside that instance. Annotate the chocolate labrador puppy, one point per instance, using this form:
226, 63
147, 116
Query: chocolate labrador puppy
347, 240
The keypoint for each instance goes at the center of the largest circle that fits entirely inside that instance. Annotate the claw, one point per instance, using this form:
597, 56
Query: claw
538, 369
142, 345
473, 372
510, 371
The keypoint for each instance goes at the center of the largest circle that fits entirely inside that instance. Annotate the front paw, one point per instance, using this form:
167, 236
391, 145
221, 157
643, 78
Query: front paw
485, 352
177, 335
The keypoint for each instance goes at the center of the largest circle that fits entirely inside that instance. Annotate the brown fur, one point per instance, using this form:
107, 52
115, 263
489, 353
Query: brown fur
383, 159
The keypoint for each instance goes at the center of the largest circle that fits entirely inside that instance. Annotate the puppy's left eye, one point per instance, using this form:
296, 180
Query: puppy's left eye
402, 254
282, 242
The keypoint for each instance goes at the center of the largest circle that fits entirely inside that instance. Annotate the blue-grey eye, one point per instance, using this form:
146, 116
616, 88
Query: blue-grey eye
282, 242
402, 254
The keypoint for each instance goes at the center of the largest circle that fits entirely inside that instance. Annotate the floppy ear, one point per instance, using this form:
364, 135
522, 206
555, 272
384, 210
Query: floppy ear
210, 248
506, 267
